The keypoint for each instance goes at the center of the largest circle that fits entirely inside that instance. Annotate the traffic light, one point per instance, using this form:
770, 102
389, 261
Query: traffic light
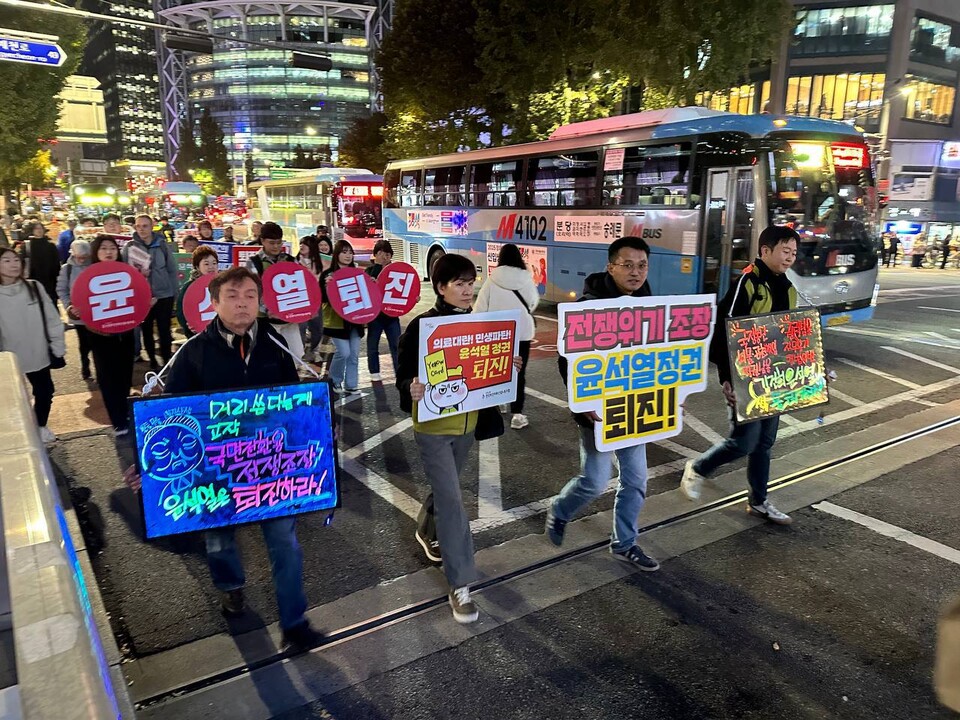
311, 62
189, 43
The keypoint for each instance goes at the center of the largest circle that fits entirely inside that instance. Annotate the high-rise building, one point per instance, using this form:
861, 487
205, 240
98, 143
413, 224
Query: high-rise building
123, 58
266, 108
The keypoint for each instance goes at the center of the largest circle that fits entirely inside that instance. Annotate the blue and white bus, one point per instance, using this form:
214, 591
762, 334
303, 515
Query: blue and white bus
699, 185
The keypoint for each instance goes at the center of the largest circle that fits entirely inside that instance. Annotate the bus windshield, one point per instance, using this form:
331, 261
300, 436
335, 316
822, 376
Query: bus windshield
358, 207
825, 191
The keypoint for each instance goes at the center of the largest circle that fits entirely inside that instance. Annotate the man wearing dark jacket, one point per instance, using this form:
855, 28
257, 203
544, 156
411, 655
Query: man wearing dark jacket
626, 274
41, 261
763, 288
237, 351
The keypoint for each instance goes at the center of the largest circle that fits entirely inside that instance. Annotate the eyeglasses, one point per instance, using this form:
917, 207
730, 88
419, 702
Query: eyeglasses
630, 267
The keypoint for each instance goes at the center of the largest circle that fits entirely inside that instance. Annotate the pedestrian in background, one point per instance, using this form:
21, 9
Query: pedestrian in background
41, 261
309, 257
345, 366
112, 354
510, 286
325, 248
271, 253
30, 327
205, 230
389, 326
204, 263
65, 240
77, 261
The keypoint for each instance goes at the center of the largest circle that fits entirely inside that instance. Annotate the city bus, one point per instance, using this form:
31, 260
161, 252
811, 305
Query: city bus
177, 200
98, 199
347, 200
698, 185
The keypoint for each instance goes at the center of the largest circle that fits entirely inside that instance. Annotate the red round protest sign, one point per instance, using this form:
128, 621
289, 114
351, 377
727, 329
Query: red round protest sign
291, 292
111, 297
354, 295
197, 308
400, 285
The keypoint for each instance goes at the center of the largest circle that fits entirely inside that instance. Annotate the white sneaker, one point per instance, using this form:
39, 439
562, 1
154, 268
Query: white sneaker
47, 436
519, 421
464, 611
374, 377
504, 409
768, 512
692, 482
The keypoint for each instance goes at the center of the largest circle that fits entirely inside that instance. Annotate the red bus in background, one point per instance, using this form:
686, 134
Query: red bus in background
357, 203
227, 210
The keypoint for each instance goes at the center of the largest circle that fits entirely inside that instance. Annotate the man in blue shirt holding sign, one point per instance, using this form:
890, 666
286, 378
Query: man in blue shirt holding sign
237, 351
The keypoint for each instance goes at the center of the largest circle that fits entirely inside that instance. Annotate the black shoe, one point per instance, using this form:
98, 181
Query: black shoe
231, 603
85, 373
555, 528
431, 548
638, 558
301, 638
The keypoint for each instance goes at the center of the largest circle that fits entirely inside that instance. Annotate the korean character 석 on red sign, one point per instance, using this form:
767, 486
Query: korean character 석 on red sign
400, 285
290, 292
354, 295
111, 297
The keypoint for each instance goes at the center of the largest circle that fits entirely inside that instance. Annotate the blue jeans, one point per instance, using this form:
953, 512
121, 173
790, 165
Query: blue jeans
755, 440
391, 328
286, 562
595, 470
344, 368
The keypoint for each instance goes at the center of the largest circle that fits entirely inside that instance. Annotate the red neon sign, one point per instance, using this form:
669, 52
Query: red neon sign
849, 156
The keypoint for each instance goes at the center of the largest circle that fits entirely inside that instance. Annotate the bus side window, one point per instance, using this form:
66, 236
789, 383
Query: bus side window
568, 180
391, 182
650, 175
410, 188
444, 186
495, 184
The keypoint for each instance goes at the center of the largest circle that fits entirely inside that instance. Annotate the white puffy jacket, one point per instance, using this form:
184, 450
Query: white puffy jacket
497, 294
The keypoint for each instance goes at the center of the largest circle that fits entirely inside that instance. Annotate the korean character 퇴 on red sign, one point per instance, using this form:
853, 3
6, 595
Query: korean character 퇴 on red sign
579, 332
397, 291
291, 291
668, 366
588, 377
354, 293
110, 296
605, 329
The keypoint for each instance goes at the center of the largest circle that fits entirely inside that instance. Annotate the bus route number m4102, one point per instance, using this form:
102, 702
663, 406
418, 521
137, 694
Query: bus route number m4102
516, 226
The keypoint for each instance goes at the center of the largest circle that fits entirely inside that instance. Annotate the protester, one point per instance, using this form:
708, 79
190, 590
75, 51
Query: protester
272, 252
112, 224
204, 263
345, 366
511, 287
40, 259
325, 248
237, 350
149, 253
189, 244
228, 234
894, 249
444, 443
389, 326
65, 240
626, 275
763, 288
205, 228
309, 257
30, 327
166, 229
112, 354
256, 227
78, 260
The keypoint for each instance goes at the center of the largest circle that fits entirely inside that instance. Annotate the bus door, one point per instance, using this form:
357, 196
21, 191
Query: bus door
727, 227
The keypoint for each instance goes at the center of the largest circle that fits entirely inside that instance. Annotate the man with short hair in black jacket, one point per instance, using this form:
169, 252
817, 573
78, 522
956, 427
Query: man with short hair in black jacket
237, 350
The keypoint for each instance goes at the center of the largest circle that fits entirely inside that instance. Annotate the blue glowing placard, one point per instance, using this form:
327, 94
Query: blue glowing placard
239, 456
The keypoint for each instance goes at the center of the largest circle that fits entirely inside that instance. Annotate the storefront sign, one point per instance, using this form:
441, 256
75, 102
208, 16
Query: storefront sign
535, 258
197, 307
291, 292
777, 363
466, 362
400, 286
634, 361
353, 295
111, 297
219, 459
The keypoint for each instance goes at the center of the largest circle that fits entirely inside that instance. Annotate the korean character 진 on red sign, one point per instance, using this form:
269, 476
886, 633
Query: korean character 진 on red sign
588, 376
689, 322
397, 290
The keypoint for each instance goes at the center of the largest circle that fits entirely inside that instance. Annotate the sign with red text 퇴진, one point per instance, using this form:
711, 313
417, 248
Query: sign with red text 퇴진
466, 362
111, 297
776, 363
633, 362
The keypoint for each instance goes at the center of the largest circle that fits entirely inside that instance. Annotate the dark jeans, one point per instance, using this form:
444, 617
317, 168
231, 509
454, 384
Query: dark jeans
83, 338
160, 315
315, 327
389, 327
755, 440
286, 563
517, 405
113, 360
42, 384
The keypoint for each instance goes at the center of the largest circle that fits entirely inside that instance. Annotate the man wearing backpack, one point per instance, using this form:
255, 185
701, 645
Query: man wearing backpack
271, 238
763, 288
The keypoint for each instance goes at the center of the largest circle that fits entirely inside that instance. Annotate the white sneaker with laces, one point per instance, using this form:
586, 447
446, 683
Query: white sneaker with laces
519, 421
692, 483
768, 512
504, 409
47, 436
464, 611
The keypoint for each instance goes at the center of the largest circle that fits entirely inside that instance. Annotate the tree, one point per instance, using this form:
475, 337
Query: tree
362, 146
248, 174
212, 156
299, 157
187, 155
31, 110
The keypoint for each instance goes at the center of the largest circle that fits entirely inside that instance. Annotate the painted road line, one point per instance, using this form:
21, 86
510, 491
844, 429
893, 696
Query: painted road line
789, 420
381, 486
546, 398
880, 373
848, 399
939, 309
892, 531
489, 497
375, 440
548, 319
701, 428
920, 358
946, 342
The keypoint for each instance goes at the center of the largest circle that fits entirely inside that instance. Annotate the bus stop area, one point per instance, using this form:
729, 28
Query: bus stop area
833, 617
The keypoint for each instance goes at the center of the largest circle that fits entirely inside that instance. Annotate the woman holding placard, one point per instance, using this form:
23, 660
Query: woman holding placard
309, 257
30, 327
345, 366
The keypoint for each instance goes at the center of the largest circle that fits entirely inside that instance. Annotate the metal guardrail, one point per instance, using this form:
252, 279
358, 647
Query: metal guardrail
62, 669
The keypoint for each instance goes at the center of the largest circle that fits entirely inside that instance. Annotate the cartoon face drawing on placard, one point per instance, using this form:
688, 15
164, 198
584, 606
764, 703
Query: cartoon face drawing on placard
445, 397
172, 451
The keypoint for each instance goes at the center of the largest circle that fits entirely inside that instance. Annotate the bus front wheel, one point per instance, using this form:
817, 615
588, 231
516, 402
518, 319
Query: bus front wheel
432, 260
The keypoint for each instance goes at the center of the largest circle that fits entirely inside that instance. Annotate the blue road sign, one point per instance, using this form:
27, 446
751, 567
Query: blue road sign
32, 52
